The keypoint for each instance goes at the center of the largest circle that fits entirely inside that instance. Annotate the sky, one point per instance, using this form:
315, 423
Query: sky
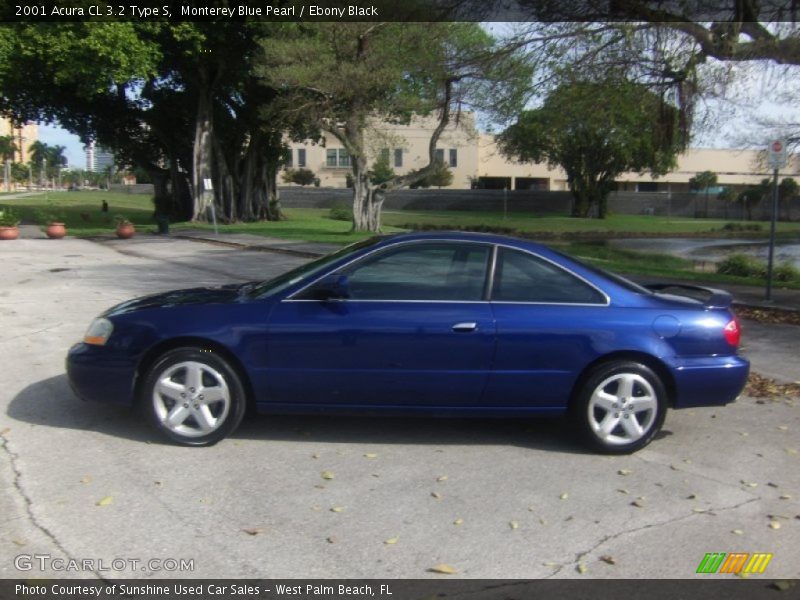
53, 135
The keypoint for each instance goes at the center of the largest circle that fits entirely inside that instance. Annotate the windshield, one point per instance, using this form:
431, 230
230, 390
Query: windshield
281, 282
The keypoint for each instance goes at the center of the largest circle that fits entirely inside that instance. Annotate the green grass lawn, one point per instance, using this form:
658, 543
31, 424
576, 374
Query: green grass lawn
84, 218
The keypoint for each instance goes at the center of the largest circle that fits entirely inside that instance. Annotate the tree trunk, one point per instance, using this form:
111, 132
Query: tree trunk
367, 201
202, 156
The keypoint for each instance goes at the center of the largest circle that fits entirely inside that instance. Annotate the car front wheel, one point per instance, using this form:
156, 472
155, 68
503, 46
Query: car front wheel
620, 407
193, 396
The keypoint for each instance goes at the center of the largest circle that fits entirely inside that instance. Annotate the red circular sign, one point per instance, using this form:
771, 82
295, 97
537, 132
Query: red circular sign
777, 146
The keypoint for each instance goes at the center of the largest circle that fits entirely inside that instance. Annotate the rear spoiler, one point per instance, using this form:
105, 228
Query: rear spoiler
712, 298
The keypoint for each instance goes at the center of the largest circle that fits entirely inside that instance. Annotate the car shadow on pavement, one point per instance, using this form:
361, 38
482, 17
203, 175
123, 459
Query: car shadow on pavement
52, 403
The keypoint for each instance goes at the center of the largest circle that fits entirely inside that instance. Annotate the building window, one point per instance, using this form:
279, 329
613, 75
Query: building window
337, 157
439, 155
453, 157
398, 157
301, 157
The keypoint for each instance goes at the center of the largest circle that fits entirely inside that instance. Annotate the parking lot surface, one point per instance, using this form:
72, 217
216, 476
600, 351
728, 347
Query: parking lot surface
491, 499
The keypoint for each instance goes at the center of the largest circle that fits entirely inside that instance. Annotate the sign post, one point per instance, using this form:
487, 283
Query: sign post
776, 158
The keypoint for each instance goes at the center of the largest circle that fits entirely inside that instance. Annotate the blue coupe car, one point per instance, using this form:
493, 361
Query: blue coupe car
426, 323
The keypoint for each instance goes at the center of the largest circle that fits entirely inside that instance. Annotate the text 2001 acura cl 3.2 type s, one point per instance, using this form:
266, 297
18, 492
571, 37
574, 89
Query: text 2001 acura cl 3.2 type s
445, 323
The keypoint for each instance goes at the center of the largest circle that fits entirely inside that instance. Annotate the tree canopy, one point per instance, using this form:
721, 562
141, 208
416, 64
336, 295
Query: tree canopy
595, 131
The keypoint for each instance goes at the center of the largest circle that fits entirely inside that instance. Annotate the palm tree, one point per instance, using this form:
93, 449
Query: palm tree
39, 154
7, 150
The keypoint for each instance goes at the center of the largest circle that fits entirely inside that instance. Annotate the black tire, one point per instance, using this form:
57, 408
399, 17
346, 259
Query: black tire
620, 407
193, 396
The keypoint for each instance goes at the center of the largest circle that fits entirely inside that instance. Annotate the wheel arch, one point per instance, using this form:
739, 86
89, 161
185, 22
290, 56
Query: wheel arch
153, 353
656, 365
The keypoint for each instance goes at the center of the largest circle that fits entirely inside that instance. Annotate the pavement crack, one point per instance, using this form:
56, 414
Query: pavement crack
581, 555
13, 460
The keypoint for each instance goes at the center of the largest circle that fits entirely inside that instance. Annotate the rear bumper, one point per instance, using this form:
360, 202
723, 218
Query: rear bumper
100, 374
709, 381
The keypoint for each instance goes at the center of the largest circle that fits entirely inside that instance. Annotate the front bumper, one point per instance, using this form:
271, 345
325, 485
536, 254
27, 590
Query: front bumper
101, 374
709, 381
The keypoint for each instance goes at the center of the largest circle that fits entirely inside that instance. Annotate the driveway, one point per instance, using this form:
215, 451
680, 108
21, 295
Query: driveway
492, 499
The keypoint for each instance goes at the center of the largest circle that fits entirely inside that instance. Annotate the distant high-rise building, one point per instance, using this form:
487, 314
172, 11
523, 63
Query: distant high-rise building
98, 158
23, 138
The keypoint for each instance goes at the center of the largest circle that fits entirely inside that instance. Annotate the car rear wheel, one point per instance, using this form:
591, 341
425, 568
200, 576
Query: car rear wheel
193, 396
620, 407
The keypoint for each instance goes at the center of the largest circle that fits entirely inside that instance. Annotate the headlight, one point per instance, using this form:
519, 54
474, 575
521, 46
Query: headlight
99, 332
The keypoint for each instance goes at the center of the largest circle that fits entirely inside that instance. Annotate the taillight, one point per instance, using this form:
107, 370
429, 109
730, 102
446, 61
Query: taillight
732, 332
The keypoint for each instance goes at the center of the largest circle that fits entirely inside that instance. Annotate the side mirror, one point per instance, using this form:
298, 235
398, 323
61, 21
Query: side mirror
333, 287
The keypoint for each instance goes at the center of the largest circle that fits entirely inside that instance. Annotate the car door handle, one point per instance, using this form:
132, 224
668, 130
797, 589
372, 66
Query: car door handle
465, 327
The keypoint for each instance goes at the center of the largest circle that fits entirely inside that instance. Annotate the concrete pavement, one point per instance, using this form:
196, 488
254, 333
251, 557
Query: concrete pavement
516, 499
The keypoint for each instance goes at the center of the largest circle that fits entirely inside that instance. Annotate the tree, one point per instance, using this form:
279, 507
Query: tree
7, 150
595, 131
787, 190
348, 77
299, 176
441, 176
703, 181
753, 195
727, 196
381, 171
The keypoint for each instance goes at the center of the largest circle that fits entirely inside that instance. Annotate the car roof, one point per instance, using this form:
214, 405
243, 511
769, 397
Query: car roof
467, 236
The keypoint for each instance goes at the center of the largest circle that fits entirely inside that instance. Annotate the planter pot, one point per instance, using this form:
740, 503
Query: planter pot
9, 233
125, 231
55, 231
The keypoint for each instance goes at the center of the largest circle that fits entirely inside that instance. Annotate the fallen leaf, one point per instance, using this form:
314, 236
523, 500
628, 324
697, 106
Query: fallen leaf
564, 496
513, 524
623, 491
315, 456
785, 497
316, 508
581, 568
337, 509
442, 478
531, 509
376, 474
638, 503
699, 510
5, 430
748, 483
774, 525
331, 540
674, 467
105, 501
370, 455
319, 486
436, 495
743, 433
253, 530
19, 542
791, 450
391, 541
783, 427
327, 475
156, 482
608, 559
542, 521
691, 497
86, 479
773, 485
624, 472
737, 531
783, 585
458, 521
443, 569
551, 564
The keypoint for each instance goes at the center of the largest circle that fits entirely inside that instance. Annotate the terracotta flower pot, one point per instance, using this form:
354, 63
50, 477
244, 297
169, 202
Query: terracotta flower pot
125, 230
55, 230
9, 233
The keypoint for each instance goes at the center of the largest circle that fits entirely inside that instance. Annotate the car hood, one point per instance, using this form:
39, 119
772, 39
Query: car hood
225, 294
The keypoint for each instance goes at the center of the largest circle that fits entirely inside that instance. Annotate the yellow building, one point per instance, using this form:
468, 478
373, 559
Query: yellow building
23, 138
476, 161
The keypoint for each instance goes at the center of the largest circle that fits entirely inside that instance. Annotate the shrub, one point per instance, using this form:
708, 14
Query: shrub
8, 217
786, 271
741, 227
742, 265
299, 176
341, 212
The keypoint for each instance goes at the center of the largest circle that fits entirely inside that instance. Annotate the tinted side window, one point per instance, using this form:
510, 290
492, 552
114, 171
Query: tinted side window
437, 271
522, 277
